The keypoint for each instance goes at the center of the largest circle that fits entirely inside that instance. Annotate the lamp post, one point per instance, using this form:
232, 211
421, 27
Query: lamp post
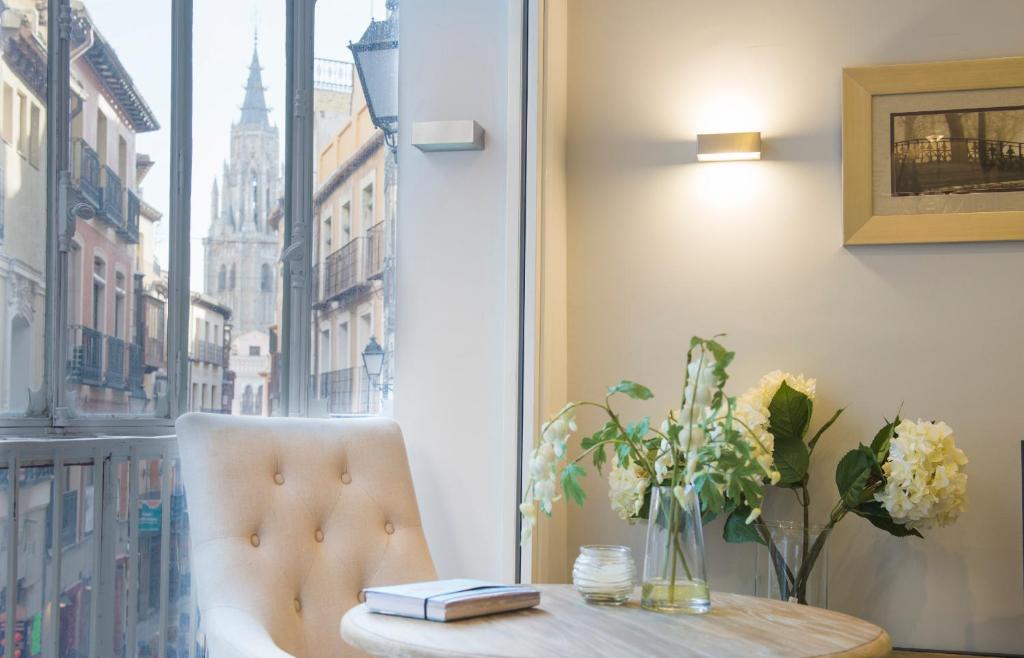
376, 60
373, 362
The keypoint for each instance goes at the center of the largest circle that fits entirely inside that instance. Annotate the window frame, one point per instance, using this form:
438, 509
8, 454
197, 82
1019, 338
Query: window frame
58, 418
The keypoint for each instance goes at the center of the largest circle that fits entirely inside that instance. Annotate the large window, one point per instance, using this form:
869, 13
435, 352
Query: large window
194, 264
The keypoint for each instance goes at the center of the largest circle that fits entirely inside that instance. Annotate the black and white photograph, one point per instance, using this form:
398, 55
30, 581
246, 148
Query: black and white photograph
961, 151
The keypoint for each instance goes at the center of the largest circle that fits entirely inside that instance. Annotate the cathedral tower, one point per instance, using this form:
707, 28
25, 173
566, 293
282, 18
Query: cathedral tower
241, 250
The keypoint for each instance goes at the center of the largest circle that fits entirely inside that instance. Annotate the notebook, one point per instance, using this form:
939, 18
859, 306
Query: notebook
448, 600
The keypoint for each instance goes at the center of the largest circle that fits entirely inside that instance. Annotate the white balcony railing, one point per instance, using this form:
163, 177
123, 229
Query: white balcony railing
94, 557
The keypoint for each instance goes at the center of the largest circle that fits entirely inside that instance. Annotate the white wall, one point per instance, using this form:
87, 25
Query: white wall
451, 379
661, 248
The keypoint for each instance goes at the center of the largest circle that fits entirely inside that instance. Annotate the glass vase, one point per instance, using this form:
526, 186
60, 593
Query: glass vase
794, 565
604, 574
675, 579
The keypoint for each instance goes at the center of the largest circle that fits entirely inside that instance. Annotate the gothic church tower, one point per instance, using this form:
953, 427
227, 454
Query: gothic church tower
241, 250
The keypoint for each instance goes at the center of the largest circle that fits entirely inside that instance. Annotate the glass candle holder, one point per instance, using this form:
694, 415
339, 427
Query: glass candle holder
604, 574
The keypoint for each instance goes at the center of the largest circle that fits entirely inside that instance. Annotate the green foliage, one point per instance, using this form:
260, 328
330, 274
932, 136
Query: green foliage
852, 475
632, 389
570, 482
738, 531
880, 444
790, 415
879, 517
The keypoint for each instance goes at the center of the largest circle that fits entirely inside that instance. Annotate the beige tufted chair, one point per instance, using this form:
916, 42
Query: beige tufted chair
290, 519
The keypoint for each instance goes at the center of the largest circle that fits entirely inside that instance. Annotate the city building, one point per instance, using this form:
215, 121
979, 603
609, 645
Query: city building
105, 363
209, 344
241, 250
22, 206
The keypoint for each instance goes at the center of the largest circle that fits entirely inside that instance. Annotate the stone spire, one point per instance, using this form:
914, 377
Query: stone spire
254, 107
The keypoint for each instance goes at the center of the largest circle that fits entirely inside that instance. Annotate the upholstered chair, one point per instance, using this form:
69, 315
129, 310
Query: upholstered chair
290, 519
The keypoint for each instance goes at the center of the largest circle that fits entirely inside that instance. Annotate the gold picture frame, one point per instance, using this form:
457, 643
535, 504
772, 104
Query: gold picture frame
860, 87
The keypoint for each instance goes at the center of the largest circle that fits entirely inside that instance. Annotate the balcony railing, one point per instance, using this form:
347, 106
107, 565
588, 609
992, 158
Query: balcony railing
155, 355
341, 271
86, 171
130, 230
136, 370
112, 198
95, 550
373, 256
114, 374
99, 360
85, 362
337, 387
207, 352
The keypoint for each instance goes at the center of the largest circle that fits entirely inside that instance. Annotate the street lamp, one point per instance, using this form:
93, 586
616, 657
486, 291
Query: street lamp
376, 59
373, 358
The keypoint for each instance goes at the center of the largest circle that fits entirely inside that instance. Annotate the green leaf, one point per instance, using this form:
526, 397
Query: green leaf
737, 530
879, 517
880, 444
622, 451
790, 413
641, 429
817, 435
570, 483
852, 475
792, 459
632, 389
599, 458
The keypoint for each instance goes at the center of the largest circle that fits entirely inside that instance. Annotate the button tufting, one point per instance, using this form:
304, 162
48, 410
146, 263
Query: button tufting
298, 606
346, 478
254, 540
361, 596
319, 534
278, 478
388, 528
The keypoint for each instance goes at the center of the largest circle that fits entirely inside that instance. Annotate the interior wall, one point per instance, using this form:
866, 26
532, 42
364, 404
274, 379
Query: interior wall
451, 377
660, 248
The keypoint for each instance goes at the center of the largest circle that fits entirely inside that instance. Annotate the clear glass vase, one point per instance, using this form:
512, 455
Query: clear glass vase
604, 574
794, 565
675, 579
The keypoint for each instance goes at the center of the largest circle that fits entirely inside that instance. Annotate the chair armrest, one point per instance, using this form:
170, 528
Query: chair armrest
234, 633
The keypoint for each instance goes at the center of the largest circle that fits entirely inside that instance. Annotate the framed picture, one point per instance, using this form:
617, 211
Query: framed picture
934, 152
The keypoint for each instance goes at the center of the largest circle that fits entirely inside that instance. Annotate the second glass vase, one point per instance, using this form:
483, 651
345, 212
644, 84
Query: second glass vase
674, 578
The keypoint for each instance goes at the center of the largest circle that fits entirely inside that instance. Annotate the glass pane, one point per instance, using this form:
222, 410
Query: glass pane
120, 152
76, 568
147, 629
180, 605
122, 543
238, 230
353, 210
22, 212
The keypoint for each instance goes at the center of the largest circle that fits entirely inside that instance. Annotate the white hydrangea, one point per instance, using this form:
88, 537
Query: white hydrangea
752, 413
925, 479
626, 489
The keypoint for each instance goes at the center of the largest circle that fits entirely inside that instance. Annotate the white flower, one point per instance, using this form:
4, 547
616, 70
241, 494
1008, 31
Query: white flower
700, 381
665, 461
754, 513
626, 489
925, 482
529, 511
752, 414
544, 461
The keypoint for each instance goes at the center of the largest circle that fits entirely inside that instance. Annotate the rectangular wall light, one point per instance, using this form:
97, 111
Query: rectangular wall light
720, 147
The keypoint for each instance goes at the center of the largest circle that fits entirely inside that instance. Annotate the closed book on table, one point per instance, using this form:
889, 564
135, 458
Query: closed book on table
448, 600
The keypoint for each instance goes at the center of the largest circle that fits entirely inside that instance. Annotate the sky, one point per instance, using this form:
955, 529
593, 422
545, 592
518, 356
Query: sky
223, 33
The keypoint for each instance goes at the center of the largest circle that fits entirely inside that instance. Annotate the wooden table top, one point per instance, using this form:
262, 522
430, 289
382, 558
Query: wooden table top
565, 626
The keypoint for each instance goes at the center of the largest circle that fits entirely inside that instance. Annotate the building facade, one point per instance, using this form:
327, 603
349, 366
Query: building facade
352, 214
241, 250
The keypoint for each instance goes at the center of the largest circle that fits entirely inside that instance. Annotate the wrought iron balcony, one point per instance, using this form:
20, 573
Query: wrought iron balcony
130, 230
373, 254
136, 370
112, 198
337, 388
85, 363
113, 376
155, 355
86, 171
207, 352
341, 272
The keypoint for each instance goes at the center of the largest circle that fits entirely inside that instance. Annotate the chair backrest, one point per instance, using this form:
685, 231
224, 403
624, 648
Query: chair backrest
291, 518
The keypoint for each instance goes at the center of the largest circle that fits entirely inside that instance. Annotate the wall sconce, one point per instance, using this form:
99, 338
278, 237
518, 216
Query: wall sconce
720, 147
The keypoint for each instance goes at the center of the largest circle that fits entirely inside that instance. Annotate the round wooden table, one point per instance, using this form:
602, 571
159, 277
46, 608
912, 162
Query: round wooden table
564, 626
